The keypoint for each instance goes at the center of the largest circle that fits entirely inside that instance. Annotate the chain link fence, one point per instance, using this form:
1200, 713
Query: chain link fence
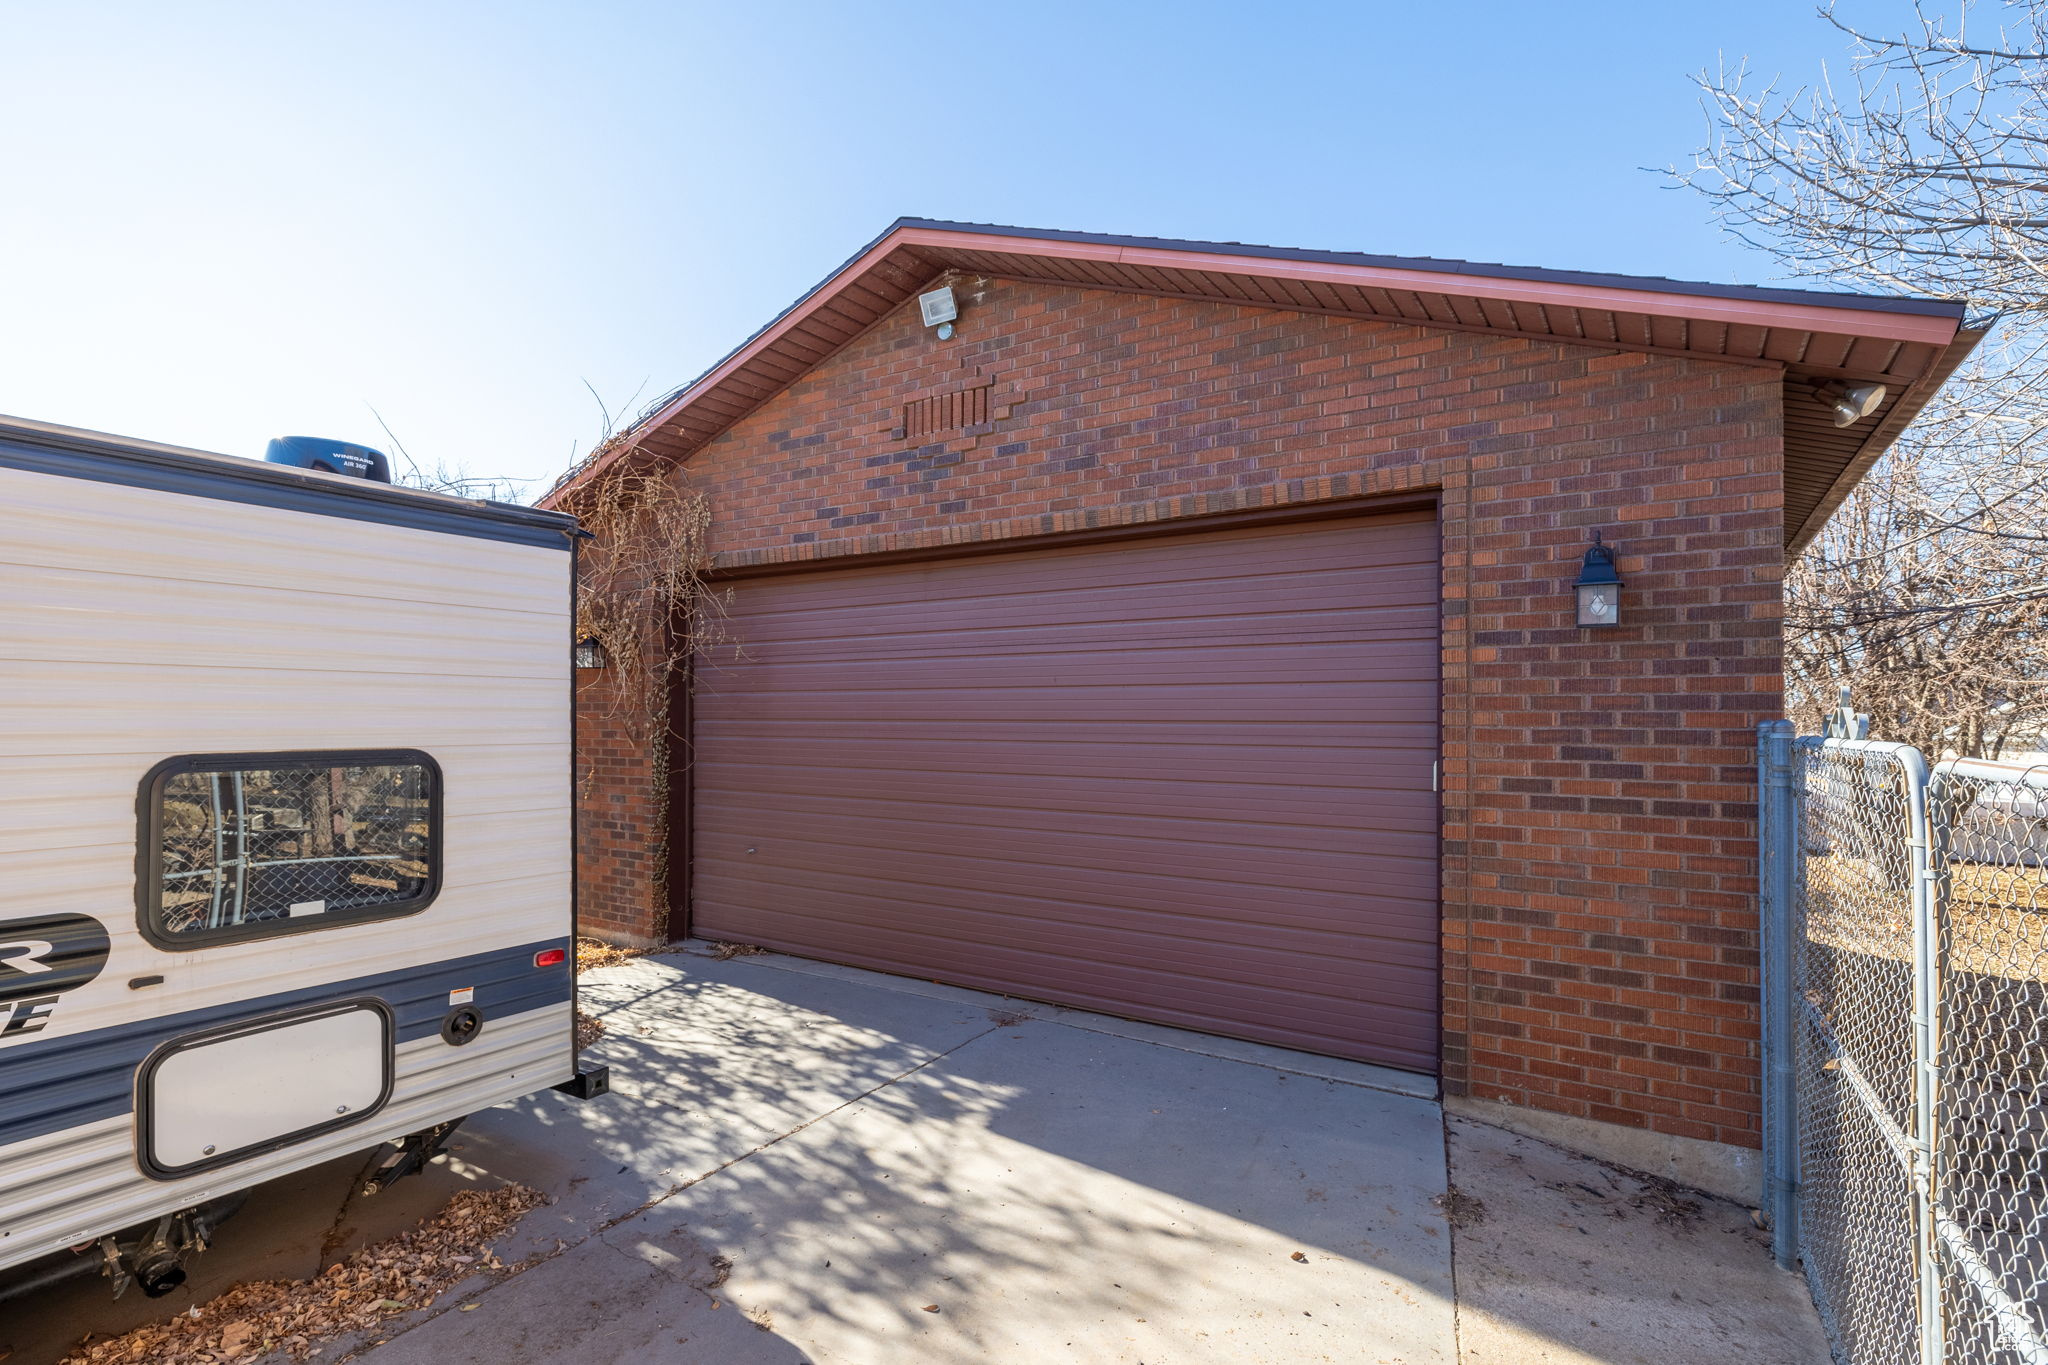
1906, 916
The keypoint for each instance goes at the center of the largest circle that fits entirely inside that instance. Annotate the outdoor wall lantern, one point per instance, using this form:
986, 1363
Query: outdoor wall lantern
590, 653
1599, 587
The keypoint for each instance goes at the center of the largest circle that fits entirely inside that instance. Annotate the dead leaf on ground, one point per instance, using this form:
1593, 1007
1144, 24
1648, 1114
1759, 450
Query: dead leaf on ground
1667, 1201
1297, 1256
297, 1316
725, 952
1460, 1209
931, 1308
592, 953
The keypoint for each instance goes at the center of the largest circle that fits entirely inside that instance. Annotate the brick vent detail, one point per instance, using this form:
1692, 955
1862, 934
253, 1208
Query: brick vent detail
1599, 934
946, 411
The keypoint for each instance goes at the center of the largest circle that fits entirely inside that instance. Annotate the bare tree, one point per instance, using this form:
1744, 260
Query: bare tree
442, 478
1925, 170
1972, 681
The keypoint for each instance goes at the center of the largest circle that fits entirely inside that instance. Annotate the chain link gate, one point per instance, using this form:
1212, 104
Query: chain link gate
1906, 959
1990, 1178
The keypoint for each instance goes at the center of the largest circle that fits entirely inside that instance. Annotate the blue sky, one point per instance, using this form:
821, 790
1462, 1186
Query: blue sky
223, 222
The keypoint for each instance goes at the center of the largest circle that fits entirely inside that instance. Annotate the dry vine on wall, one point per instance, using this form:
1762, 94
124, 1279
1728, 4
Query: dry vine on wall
642, 595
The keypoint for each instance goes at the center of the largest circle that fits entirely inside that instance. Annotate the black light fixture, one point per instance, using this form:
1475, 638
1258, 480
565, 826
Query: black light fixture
1599, 587
590, 653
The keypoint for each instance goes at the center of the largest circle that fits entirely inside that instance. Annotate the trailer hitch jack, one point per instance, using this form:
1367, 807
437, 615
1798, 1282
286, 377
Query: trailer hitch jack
414, 1152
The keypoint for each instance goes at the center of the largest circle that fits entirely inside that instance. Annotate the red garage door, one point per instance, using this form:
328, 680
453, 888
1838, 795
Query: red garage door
1185, 779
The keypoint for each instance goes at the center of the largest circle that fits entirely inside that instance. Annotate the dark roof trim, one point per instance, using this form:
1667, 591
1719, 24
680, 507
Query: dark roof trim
69, 452
1655, 284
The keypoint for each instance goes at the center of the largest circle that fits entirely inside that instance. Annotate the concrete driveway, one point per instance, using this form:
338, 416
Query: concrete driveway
804, 1163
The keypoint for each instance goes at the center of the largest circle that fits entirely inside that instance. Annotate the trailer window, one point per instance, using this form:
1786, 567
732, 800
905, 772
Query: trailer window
237, 846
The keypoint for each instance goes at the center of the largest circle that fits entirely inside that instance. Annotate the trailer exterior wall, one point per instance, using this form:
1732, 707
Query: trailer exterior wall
139, 623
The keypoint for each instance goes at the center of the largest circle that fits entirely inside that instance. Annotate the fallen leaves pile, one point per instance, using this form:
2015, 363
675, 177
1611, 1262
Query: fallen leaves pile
592, 953
400, 1275
726, 952
589, 1028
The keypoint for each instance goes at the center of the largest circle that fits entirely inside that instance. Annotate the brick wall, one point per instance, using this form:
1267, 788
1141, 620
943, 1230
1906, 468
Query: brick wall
1599, 950
620, 818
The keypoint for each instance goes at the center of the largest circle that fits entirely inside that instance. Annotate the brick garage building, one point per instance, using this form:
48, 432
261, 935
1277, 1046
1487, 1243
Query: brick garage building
1189, 635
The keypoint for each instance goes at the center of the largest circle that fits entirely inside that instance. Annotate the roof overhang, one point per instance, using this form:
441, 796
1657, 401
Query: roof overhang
1908, 345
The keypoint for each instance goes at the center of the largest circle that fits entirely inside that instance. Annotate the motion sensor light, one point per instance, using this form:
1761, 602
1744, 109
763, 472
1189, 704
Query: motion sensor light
1852, 403
939, 309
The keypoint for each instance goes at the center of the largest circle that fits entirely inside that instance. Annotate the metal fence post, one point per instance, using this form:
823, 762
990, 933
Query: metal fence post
1920, 845
1778, 849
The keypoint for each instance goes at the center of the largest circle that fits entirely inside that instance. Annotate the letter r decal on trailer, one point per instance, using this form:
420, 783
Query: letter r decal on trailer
41, 957
27, 954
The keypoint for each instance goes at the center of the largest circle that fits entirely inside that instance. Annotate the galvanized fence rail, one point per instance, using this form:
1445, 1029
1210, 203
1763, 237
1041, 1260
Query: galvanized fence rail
1906, 996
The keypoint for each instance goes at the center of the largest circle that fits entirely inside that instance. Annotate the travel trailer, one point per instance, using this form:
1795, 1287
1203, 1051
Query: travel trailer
285, 831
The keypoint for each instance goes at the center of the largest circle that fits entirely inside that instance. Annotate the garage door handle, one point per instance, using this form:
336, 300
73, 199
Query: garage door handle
1435, 771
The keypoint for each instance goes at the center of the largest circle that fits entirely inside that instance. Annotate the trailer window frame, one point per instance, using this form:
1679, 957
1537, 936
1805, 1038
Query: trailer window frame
150, 844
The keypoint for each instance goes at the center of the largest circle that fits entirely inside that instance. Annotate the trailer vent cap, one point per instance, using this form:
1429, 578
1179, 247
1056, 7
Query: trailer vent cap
336, 457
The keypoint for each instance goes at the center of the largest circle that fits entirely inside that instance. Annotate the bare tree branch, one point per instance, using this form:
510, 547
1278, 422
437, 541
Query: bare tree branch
1922, 169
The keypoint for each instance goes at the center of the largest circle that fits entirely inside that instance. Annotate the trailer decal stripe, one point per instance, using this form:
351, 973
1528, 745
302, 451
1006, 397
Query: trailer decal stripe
50, 1084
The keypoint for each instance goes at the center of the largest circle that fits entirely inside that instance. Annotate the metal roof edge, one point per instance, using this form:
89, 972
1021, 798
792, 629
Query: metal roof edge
1819, 298
90, 454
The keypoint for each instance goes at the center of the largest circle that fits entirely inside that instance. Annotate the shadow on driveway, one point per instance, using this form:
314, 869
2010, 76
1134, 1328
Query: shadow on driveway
797, 1166
800, 1163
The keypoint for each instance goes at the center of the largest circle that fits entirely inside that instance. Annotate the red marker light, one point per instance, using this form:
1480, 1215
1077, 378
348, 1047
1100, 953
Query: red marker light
550, 957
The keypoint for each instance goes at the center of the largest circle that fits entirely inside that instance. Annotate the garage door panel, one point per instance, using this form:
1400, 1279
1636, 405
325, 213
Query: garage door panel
1283, 560
1084, 796
1240, 838
1377, 732
1392, 767
1391, 909
1186, 778
1334, 633
1160, 667
1218, 704
1097, 592
1388, 911
1228, 611
1222, 949
968, 635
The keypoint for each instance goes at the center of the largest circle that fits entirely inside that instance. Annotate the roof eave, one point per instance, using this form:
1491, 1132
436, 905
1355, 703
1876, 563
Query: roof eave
1907, 321
1883, 435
